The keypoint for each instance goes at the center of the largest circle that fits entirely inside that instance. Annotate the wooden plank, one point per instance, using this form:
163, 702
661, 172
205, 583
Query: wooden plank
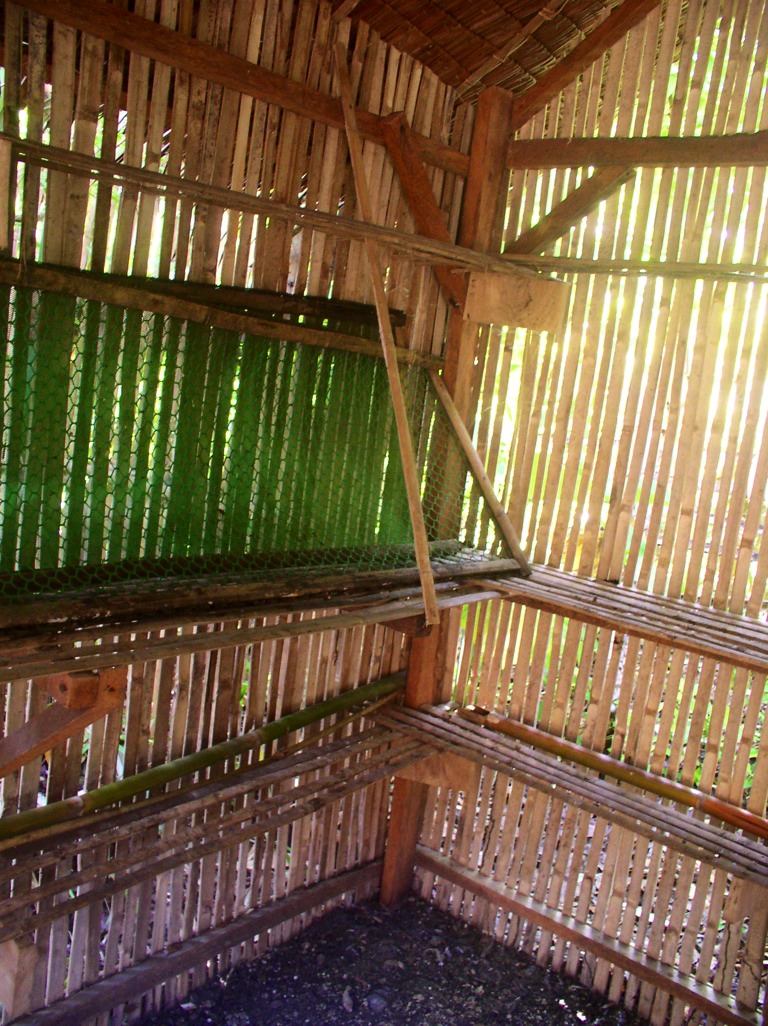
7, 190
410, 473
743, 149
702, 996
417, 187
536, 304
585, 53
138, 979
58, 722
444, 769
145, 37
576, 205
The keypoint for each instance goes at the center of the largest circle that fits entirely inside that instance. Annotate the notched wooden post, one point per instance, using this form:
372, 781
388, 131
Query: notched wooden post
80, 698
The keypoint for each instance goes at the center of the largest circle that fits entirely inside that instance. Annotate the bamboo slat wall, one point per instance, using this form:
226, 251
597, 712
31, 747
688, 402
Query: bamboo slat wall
633, 448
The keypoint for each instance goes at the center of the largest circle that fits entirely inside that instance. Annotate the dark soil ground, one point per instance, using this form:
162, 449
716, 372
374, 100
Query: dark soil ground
416, 966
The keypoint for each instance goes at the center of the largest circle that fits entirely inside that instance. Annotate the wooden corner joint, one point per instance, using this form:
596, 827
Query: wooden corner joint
84, 689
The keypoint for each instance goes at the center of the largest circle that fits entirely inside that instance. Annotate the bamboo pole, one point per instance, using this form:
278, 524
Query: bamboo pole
157, 776
388, 346
605, 764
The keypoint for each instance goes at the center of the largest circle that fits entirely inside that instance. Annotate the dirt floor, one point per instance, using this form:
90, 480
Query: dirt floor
416, 966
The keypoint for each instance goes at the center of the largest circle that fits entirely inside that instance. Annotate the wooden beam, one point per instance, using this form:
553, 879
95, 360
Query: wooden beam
746, 149
480, 227
58, 722
121, 175
142, 36
128, 985
78, 689
538, 304
576, 205
721, 1007
427, 215
142, 296
409, 797
584, 54
443, 769
410, 473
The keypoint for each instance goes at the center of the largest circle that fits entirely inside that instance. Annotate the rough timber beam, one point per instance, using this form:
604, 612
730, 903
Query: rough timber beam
480, 227
585, 53
746, 149
571, 210
186, 54
428, 216
60, 720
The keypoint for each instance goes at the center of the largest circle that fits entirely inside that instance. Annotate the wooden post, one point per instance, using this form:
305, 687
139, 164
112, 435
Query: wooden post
482, 221
410, 796
19, 961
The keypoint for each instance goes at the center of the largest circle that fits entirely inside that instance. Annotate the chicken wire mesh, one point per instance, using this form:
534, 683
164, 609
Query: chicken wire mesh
137, 446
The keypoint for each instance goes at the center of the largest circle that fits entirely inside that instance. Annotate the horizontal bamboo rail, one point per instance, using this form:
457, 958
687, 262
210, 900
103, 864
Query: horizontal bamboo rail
663, 823
155, 851
102, 650
143, 295
430, 251
662, 787
157, 776
718, 634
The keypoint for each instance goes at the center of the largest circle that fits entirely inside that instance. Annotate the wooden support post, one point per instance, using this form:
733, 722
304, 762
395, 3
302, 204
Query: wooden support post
19, 964
480, 228
6, 191
80, 699
410, 474
409, 797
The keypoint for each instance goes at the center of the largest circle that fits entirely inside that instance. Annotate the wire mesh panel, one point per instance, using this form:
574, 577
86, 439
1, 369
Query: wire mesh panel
139, 446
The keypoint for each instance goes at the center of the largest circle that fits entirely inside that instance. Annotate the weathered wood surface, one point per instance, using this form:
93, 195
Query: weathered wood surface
746, 149
660, 821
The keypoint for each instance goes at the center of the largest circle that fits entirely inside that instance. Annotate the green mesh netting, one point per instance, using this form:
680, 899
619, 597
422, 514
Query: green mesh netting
139, 446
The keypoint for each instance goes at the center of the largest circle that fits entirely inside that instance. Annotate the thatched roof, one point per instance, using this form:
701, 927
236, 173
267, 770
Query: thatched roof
501, 42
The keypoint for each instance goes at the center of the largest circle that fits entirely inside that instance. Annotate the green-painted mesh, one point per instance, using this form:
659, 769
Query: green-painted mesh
138, 446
